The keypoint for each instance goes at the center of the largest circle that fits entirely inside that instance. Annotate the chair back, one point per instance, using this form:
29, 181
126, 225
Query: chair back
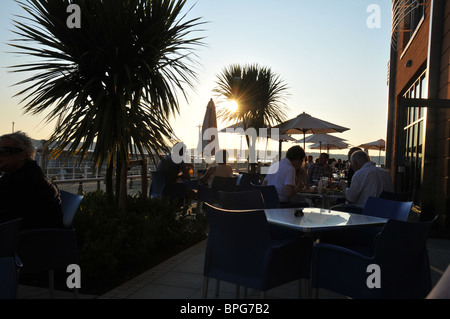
395, 196
245, 181
47, 249
237, 242
389, 209
9, 234
175, 191
157, 184
241, 200
8, 278
401, 253
226, 184
269, 194
69, 205
205, 194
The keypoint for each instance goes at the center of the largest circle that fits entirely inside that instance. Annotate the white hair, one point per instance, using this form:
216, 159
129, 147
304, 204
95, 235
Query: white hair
359, 158
23, 141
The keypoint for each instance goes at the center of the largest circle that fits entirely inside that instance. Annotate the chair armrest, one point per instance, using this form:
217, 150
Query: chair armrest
18, 261
48, 248
342, 250
289, 256
339, 269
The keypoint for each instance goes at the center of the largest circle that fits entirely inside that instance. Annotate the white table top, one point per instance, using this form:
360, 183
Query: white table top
317, 219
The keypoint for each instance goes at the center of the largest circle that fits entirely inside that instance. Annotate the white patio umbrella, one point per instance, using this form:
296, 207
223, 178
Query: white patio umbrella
306, 124
209, 122
379, 145
239, 126
321, 139
330, 146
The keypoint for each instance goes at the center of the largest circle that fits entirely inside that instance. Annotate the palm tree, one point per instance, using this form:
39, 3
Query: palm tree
259, 94
115, 80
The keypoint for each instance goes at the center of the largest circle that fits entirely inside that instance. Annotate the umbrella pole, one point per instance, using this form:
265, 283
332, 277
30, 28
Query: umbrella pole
279, 149
379, 156
304, 142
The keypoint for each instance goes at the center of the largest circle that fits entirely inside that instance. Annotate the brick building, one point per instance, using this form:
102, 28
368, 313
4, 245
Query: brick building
418, 128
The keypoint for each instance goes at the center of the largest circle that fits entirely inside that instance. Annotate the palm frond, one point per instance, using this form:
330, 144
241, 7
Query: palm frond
258, 91
115, 81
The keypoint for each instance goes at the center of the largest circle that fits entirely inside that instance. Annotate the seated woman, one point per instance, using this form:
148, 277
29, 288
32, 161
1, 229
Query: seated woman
302, 178
222, 169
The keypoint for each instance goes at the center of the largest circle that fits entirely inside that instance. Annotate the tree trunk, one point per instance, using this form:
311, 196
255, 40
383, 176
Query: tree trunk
144, 179
123, 186
109, 182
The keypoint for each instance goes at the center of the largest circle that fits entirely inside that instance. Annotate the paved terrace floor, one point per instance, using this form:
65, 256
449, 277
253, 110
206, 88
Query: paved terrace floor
180, 277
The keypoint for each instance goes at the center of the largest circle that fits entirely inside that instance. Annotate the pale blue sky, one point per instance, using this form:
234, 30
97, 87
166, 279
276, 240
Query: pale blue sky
334, 64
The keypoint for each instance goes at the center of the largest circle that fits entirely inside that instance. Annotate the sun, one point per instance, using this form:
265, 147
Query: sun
231, 106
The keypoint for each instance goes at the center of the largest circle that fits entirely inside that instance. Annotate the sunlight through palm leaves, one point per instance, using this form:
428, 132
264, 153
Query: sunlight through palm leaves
259, 94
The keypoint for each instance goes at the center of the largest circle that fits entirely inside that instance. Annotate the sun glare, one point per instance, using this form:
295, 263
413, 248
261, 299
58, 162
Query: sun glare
231, 106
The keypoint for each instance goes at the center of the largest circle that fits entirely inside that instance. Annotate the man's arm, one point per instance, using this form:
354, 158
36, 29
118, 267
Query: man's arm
354, 191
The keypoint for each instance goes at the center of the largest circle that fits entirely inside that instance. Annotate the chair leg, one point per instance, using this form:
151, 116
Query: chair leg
205, 287
217, 287
51, 283
76, 294
308, 288
315, 293
300, 290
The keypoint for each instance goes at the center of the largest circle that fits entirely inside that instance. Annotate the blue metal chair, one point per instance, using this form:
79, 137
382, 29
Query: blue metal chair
157, 184
205, 194
226, 184
9, 234
361, 238
240, 250
8, 278
400, 254
395, 196
191, 184
50, 249
269, 194
159, 188
245, 181
69, 205
385, 208
241, 200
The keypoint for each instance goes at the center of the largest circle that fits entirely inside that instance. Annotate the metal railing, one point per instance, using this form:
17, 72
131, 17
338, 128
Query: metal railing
79, 185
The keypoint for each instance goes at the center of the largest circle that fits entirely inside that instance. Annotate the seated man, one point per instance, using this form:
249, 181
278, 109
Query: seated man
175, 171
351, 171
25, 192
368, 180
222, 169
284, 178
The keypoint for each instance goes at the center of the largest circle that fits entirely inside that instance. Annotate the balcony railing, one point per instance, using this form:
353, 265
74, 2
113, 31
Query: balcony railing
401, 9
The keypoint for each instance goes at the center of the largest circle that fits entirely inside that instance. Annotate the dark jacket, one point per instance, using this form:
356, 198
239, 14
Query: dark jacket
28, 194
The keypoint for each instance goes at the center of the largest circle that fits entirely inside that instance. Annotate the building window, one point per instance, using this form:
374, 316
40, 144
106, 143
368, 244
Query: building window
412, 19
414, 133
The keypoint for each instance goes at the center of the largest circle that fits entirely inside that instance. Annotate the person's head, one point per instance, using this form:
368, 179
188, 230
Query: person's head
221, 157
310, 159
323, 158
296, 154
358, 159
15, 150
353, 150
